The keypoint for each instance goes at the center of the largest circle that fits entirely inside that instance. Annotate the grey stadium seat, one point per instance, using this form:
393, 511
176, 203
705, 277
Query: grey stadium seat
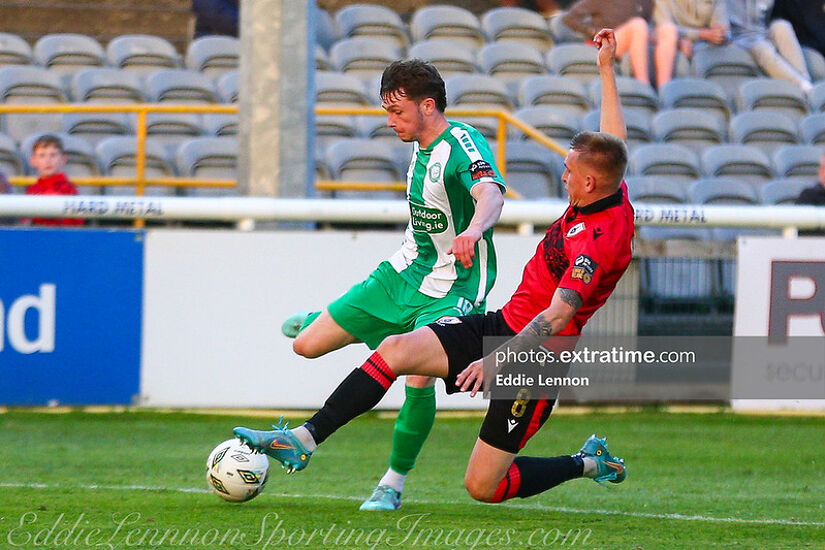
511, 62
798, 161
511, 24
633, 94
68, 53
655, 190
107, 85
812, 129
363, 57
815, 62
14, 50
696, 93
95, 127
532, 170
375, 127
362, 160
450, 59
180, 86
322, 62
722, 191
692, 128
637, 123
772, 94
330, 128
765, 130
208, 158
556, 124
221, 125
337, 89
228, 87
142, 53
817, 98
81, 159
727, 65
171, 129
213, 56
573, 60
11, 162
325, 32
30, 85
783, 190
674, 162
555, 91
374, 21
458, 25
478, 90
117, 158
738, 161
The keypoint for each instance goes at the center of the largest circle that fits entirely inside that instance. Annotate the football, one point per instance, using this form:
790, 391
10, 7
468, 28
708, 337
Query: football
235, 473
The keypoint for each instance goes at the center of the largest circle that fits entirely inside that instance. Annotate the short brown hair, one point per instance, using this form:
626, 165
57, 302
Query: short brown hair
417, 79
48, 140
603, 151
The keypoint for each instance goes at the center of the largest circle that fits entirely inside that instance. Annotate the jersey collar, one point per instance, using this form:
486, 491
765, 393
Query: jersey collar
602, 204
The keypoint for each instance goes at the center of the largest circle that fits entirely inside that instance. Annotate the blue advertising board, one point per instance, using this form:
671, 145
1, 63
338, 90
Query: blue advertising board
70, 316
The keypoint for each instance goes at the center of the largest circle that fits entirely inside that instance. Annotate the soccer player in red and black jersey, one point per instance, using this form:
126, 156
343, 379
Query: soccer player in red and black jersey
574, 271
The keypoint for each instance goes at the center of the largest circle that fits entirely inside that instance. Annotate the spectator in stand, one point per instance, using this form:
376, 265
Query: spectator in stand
807, 17
775, 47
684, 23
48, 159
216, 17
814, 195
630, 19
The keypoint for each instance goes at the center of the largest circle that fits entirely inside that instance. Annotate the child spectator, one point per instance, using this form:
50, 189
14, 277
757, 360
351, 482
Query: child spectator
48, 159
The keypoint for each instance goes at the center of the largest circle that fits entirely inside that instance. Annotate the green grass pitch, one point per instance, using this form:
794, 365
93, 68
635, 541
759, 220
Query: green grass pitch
135, 479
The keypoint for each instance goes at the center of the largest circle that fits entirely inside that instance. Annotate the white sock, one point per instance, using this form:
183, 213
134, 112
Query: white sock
590, 467
305, 437
394, 480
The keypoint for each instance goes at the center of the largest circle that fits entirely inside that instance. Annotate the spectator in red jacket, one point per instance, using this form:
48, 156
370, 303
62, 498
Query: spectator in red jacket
48, 159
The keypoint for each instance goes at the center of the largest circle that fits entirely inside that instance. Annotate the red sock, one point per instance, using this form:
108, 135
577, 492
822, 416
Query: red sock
509, 486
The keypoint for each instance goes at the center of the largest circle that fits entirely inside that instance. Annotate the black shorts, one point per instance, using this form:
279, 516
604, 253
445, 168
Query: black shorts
509, 423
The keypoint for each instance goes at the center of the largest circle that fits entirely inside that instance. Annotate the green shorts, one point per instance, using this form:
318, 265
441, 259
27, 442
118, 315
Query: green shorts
385, 304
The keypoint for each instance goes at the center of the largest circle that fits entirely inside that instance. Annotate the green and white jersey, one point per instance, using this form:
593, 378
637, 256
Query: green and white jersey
439, 180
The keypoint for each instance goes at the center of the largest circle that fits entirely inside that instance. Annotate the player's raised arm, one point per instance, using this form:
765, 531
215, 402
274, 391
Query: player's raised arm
612, 119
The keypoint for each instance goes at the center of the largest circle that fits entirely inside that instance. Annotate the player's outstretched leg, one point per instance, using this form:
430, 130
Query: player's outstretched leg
599, 464
279, 443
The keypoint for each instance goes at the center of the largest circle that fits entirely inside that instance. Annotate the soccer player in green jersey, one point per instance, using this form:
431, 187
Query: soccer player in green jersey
445, 267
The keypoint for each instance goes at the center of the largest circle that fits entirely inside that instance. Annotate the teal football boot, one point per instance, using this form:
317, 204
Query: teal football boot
608, 468
279, 443
383, 499
292, 326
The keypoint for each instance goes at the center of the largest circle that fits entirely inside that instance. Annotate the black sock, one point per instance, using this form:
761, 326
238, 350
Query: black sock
358, 393
541, 474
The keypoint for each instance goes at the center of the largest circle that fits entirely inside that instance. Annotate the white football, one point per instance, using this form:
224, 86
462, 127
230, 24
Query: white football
235, 473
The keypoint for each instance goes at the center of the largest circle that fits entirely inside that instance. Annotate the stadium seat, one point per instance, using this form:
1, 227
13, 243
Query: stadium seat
95, 127
633, 94
695, 93
221, 125
555, 124
180, 86
30, 85
519, 25
142, 53
815, 62
798, 161
117, 159
655, 190
458, 25
107, 85
67, 53
573, 60
14, 50
330, 128
675, 162
81, 160
339, 90
402, 155
728, 66
362, 160
783, 190
721, 191
637, 123
812, 129
363, 57
692, 128
171, 129
213, 56
228, 87
325, 32
208, 158
511, 62
555, 91
744, 163
817, 98
478, 91
771, 94
11, 163
375, 127
531, 170
450, 59
373, 21
322, 62
766, 130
